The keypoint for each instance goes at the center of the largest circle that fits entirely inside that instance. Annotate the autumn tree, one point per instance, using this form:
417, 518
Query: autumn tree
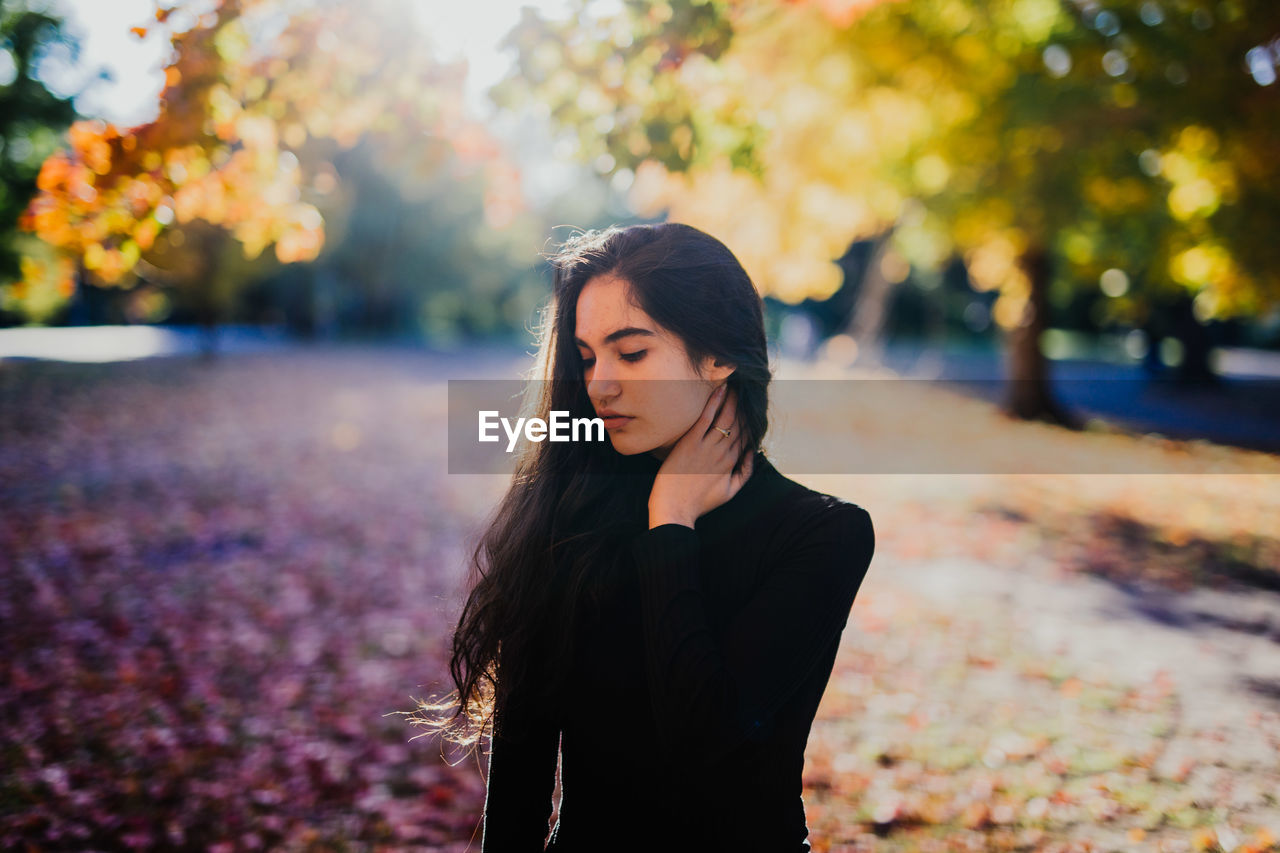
259, 97
31, 121
1128, 146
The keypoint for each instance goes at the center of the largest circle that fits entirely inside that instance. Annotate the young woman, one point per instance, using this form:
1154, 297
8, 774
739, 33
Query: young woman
660, 611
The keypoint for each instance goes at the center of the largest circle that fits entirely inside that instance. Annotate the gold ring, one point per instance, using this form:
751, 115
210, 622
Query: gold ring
725, 431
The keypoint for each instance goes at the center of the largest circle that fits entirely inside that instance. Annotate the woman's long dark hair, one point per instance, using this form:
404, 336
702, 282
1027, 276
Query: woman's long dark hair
554, 538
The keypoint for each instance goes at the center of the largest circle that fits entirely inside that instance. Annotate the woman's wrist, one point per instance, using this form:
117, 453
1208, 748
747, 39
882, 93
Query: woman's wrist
659, 517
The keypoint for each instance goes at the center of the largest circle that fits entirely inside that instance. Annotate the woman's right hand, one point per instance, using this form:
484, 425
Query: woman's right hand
698, 474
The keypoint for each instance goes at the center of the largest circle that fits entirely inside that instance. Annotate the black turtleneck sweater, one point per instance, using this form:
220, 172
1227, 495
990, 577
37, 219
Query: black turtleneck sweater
696, 685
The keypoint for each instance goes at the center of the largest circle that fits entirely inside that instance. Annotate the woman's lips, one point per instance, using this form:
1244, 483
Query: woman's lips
615, 421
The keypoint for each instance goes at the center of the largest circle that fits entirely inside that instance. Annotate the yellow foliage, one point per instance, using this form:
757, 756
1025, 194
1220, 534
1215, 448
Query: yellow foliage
47, 281
1010, 305
299, 244
94, 255
931, 173
993, 264
1036, 18
1196, 197
1199, 265
146, 234
1078, 247
1124, 95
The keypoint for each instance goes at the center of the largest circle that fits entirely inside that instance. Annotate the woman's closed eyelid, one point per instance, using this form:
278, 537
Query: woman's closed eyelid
626, 356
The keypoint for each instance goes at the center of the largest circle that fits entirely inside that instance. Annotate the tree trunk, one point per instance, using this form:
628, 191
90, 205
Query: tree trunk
1029, 396
866, 322
1195, 367
209, 309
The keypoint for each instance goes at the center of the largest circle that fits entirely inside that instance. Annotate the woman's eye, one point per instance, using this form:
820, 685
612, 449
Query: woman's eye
626, 356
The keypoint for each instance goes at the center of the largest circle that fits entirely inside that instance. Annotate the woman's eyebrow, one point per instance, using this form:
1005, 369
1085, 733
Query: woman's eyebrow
620, 333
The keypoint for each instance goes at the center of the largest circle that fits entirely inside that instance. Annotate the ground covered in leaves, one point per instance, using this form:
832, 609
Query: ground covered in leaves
223, 580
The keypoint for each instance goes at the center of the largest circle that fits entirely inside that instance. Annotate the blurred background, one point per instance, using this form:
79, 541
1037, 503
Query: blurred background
244, 244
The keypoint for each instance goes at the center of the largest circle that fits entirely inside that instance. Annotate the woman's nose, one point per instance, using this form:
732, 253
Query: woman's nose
603, 384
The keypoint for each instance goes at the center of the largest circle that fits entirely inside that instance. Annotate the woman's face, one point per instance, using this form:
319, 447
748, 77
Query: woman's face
621, 345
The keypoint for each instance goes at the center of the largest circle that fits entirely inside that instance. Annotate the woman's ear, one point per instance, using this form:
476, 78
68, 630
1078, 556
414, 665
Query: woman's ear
716, 370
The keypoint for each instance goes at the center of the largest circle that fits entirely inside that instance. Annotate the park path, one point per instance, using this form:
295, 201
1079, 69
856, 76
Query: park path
296, 474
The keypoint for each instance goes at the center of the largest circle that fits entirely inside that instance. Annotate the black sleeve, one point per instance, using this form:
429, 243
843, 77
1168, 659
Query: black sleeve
522, 775
768, 649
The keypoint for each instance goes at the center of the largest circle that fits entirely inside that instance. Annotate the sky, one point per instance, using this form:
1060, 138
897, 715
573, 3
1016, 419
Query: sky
468, 29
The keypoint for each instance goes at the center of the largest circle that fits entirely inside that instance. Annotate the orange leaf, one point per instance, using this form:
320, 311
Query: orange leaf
140, 32
975, 815
1204, 839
